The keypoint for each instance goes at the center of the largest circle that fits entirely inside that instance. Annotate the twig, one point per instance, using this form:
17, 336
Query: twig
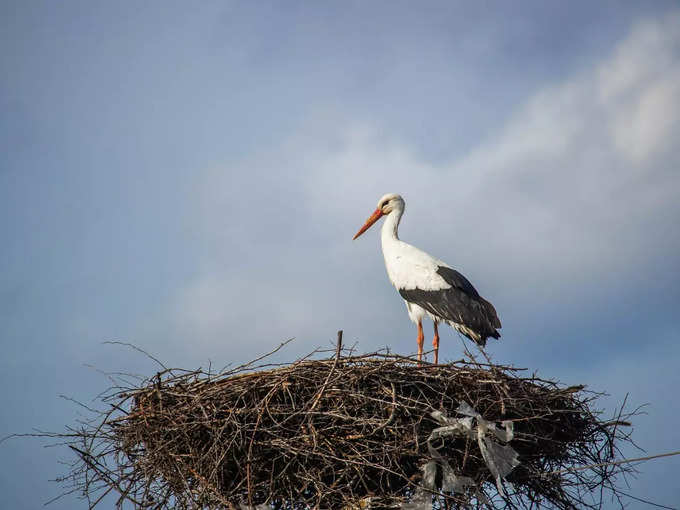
138, 349
330, 373
614, 463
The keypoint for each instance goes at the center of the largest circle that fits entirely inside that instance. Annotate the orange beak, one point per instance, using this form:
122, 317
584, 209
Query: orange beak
370, 221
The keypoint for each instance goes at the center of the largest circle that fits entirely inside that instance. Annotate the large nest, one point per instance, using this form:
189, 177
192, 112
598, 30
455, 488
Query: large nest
345, 432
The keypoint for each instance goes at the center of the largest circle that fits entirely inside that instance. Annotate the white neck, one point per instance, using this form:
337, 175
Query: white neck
390, 229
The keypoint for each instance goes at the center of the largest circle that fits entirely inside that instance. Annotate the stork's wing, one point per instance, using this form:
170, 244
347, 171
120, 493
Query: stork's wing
460, 304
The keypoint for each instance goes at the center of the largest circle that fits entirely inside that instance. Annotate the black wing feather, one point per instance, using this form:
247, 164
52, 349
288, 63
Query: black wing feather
461, 304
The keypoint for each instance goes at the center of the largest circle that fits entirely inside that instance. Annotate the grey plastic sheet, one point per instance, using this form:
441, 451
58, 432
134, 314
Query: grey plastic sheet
492, 439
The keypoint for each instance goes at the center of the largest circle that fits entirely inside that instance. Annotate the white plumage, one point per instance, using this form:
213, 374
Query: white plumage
429, 286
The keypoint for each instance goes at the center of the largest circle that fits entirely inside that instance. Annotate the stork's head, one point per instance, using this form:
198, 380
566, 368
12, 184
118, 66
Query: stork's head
386, 204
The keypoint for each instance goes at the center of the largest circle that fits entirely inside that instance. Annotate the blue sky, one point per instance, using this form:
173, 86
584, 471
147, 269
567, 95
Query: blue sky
188, 178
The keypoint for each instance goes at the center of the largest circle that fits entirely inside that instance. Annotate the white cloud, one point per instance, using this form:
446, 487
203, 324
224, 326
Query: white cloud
649, 123
640, 87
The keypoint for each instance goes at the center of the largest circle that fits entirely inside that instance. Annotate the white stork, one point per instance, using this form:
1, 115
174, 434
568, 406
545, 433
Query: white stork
429, 286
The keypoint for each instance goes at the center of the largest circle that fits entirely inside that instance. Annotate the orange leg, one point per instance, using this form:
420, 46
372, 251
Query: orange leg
421, 339
435, 344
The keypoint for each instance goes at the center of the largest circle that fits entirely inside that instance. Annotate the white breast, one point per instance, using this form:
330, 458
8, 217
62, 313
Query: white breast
410, 268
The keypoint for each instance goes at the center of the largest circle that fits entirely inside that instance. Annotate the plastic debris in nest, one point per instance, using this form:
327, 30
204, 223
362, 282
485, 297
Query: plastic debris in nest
499, 457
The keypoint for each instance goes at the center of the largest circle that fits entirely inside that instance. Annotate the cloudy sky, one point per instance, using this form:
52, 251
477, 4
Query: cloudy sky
188, 178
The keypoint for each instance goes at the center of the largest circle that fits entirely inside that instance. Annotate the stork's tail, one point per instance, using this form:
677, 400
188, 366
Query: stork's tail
482, 339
